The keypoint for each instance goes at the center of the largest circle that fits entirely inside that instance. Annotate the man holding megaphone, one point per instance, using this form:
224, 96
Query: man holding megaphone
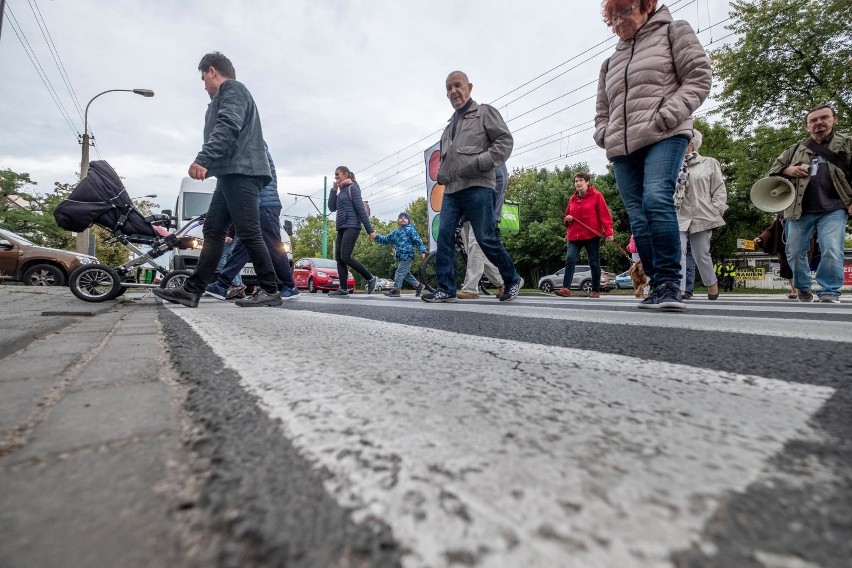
820, 169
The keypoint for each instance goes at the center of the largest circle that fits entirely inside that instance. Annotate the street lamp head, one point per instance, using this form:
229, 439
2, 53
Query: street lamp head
144, 92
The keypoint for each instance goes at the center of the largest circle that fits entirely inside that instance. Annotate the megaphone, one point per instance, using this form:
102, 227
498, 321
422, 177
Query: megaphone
773, 194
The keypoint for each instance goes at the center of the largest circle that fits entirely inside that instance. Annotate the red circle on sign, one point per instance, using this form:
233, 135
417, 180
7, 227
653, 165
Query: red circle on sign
434, 164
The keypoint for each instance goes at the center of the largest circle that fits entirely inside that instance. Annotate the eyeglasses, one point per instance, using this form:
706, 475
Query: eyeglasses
622, 14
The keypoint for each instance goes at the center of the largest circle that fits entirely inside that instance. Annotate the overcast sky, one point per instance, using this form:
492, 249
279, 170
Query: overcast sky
336, 82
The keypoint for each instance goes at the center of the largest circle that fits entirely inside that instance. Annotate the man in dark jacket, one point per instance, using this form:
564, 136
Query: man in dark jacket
233, 151
475, 142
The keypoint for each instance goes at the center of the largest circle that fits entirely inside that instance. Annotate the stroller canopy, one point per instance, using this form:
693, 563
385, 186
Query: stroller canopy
101, 198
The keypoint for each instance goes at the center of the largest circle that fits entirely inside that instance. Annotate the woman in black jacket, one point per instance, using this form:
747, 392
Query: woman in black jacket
346, 200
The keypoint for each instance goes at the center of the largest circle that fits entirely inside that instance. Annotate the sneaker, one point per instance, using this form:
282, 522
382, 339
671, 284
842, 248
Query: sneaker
338, 292
564, 292
438, 296
216, 290
237, 292
594, 294
462, 295
805, 296
669, 298
418, 290
829, 299
371, 284
393, 293
260, 299
512, 291
652, 300
289, 293
688, 296
500, 291
178, 295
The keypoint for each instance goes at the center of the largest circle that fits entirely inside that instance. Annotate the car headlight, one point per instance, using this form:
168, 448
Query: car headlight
322, 274
85, 259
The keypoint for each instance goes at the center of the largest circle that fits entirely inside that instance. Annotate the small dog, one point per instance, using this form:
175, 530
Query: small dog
637, 275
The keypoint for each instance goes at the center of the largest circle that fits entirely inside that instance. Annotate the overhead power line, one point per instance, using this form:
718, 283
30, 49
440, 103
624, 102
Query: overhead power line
31, 55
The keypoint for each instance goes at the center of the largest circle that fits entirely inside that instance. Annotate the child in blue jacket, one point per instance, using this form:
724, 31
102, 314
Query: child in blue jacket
404, 239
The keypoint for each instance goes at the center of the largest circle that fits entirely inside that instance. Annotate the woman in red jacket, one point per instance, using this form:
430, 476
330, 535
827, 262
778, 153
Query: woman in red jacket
587, 219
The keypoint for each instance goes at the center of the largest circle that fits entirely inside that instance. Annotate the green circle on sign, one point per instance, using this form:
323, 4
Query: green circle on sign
436, 223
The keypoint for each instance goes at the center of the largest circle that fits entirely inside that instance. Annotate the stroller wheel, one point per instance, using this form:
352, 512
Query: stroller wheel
175, 278
95, 283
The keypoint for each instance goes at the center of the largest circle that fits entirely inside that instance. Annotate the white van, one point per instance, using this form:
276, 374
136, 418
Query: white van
193, 200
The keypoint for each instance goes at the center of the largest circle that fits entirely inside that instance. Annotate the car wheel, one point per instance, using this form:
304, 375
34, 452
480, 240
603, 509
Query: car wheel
586, 286
312, 288
95, 283
546, 286
43, 275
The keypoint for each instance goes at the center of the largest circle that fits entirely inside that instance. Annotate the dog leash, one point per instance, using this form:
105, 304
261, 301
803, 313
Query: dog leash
621, 250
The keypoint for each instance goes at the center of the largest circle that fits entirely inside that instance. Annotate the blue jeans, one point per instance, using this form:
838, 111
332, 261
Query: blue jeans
234, 201
477, 204
226, 254
403, 272
270, 226
646, 181
593, 249
830, 228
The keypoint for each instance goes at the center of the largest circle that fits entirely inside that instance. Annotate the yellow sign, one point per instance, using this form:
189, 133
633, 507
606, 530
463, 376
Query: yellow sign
745, 244
751, 273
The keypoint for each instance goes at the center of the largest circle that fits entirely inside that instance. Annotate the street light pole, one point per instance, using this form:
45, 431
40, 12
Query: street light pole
86, 241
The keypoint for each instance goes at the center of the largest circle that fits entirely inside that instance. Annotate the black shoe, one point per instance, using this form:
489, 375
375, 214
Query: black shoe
669, 297
261, 299
339, 292
438, 296
805, 296
178, 296
511, 292
371, 284
418, 290
393, 293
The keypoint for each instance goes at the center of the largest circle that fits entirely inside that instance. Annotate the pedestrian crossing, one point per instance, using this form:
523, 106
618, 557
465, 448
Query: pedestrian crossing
475, 439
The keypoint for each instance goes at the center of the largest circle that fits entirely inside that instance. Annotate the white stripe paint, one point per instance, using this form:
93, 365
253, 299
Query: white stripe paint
514, 453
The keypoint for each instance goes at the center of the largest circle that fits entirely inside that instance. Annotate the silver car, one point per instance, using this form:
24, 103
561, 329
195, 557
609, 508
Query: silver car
582, 280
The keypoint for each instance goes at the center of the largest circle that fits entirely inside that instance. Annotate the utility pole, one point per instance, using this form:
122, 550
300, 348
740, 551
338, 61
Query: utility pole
324, 217
2, 10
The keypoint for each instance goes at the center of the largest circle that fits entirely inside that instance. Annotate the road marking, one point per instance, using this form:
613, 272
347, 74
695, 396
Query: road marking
505, 452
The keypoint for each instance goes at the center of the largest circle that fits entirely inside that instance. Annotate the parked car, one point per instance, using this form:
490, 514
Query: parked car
383, 284
623, 281
24, 261
314, 274
582, 279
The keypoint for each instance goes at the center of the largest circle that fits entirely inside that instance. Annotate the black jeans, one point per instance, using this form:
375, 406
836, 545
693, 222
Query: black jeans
234, 201
270, 225
344, 244
593, 249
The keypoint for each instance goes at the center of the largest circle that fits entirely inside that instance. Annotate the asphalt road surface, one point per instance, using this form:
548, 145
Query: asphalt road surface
544, 432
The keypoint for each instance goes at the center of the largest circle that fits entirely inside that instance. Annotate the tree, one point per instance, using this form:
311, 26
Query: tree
790, 57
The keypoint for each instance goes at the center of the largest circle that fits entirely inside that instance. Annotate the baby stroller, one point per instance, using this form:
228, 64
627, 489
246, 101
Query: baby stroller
101, 199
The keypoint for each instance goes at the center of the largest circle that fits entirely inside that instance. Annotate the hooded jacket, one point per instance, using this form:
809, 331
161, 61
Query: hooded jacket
404, 239
649, 88
591, 210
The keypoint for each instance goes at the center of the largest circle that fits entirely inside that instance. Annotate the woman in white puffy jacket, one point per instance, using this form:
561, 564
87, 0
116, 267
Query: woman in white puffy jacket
700, 207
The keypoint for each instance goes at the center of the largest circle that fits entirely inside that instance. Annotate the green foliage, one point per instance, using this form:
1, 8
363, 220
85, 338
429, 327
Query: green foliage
790, 57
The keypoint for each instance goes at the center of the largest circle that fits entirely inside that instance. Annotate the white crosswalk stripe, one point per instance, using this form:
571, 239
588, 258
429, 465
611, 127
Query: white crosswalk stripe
513, 453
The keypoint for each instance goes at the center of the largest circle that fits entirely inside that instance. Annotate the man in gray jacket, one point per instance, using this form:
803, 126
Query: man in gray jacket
475, 142
819, 169
234, 152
